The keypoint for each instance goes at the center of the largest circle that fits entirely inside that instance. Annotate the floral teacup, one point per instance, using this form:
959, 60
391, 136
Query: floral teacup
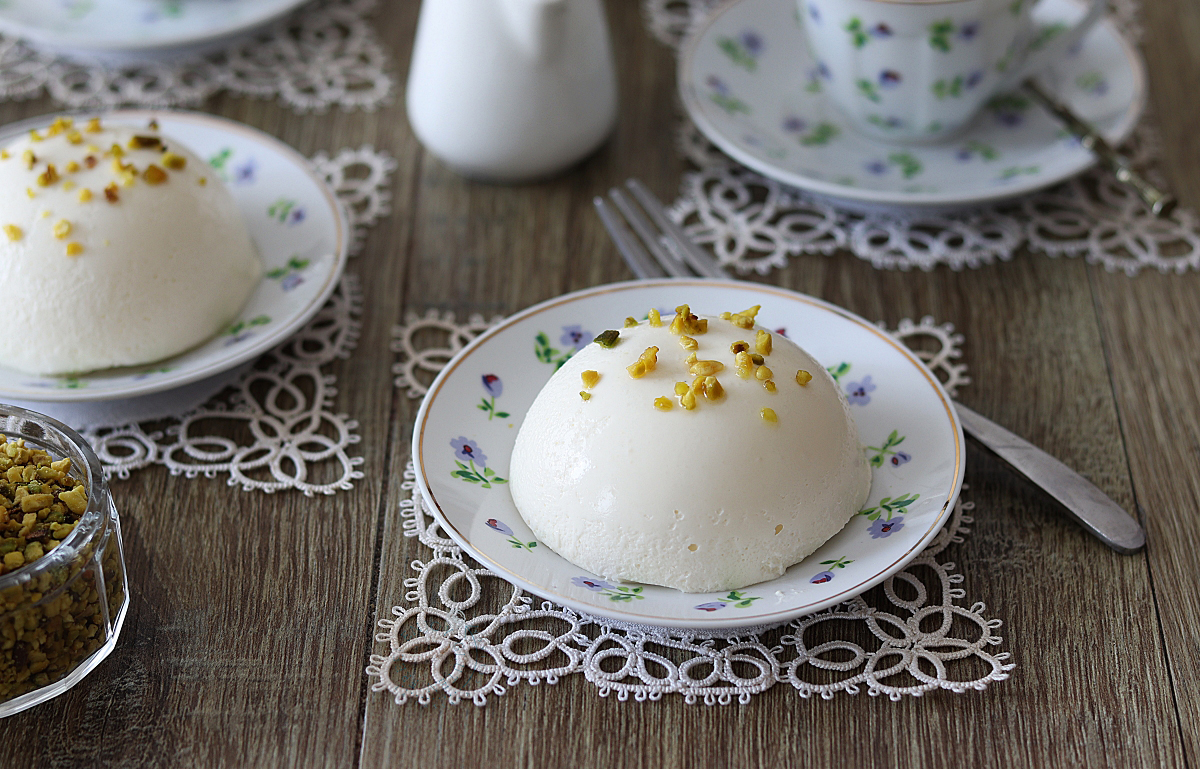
919, 70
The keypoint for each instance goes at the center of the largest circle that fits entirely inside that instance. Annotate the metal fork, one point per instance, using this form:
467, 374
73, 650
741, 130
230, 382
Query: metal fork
660, 249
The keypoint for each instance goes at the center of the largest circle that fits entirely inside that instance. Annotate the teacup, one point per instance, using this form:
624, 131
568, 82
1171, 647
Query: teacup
913, 71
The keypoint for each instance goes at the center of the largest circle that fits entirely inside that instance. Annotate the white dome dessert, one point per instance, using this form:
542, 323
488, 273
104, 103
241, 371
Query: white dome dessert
118, 247
623, 480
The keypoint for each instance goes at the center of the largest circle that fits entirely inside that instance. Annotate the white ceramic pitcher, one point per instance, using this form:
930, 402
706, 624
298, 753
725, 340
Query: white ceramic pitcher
511, 90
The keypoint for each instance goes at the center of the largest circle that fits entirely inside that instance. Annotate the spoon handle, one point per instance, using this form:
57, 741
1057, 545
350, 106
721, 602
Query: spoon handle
1160, 203
1083, 501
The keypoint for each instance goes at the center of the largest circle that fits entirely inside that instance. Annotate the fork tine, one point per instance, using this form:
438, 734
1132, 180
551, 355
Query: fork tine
699, 261
651, 238
634, 255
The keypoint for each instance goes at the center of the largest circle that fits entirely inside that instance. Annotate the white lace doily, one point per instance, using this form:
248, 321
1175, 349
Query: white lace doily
755, 223
282, 406
326, 54
465, 633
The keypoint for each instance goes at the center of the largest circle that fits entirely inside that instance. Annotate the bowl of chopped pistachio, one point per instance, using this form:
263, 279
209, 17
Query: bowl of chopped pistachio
63, 588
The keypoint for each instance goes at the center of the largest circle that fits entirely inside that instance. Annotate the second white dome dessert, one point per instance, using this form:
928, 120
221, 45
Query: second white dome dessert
714, 462
118, 247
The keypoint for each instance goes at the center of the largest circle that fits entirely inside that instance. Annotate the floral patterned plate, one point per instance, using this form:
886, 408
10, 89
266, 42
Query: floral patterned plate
750, 84
128, 30
468, 422
294, 219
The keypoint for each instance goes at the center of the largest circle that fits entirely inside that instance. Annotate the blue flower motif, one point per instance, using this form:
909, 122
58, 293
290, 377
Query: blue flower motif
291, 281
821, 578
814, 13
969, 30
244, 174
752, 42
876, 167
711, 606
296, 217
717, 84
889, 78
495, 525
974, 79
857, 392
493, 385
900, 458
575, 336
881, 30
881, 528
823, 70
793, 124
468, 450
595, 585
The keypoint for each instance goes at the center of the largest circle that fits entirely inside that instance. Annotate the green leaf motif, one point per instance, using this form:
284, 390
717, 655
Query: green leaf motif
858, 32
939, 35
867, 88
737, 53
822, 134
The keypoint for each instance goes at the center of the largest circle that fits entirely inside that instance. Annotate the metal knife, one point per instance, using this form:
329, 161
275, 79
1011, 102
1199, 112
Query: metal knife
1088, 505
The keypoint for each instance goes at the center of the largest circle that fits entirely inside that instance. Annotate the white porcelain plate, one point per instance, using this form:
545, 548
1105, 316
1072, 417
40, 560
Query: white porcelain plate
296, 223
468, 422
135, 28
750, 84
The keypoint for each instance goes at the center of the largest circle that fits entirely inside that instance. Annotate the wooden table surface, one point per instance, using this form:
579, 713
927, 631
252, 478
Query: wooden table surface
253, 615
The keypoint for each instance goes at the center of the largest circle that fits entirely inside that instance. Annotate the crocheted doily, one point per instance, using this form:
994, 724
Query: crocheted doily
326, 54
282, 406
754, 223
465, 633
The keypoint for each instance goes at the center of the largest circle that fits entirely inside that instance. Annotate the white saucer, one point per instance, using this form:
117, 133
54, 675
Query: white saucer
296, 222
125, 31
765, 108
468, 422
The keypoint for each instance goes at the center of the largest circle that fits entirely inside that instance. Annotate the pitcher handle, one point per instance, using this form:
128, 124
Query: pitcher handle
1036, 61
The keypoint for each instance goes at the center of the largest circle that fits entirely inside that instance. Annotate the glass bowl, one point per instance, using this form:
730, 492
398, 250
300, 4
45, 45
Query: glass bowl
60, 614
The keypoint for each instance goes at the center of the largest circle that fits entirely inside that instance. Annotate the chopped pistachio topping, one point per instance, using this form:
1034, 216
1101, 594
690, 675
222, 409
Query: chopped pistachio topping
803, 377
152, 125
29, 158
47, 177
685, 322
154, 175
13, 232
93, 126
69, 185
590, 378
139, 142
737, 347
743, 365
585, 395
29, 191
762, 342
705, 367
769, 385
90, 161
655, 318
116, 151
608, 339
74, 137
688, 400
111, 194
85, 195
645, 363
4, 155
663, 404
757, 359
35, 136
71, 166
681, 388
712, 388
688, 343
763, 373
62, 228
74, 249
743, 319
173, 161
203, 180
768, 415
630, 322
